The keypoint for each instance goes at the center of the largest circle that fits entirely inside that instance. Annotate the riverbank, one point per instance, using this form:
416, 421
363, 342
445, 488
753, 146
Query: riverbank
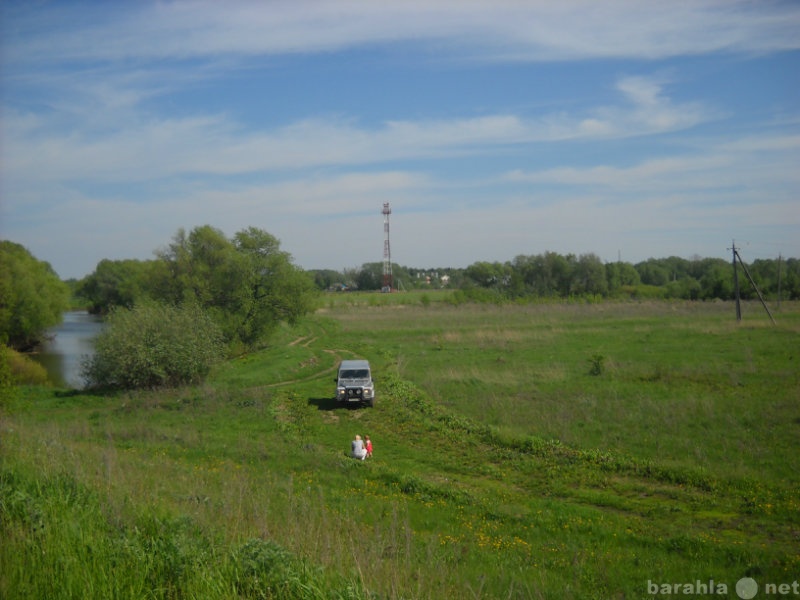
66, 346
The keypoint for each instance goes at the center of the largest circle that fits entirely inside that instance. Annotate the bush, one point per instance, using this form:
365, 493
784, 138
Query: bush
152, 346
597, 364
18, 369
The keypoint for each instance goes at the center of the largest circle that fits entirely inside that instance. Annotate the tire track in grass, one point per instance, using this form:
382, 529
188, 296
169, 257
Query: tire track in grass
313, 376
581, 498
305, 341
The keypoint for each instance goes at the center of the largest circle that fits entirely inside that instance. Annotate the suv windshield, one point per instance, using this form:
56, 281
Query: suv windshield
354, 374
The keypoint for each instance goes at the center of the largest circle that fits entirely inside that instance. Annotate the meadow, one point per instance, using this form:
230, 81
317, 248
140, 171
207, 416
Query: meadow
556, 450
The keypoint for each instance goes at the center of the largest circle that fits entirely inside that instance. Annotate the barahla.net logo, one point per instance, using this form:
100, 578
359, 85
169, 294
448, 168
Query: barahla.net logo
746, 588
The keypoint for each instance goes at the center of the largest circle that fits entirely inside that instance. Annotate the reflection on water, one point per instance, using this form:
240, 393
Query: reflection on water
69, 344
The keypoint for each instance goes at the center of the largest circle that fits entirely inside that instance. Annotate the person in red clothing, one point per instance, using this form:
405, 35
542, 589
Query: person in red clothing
368, 445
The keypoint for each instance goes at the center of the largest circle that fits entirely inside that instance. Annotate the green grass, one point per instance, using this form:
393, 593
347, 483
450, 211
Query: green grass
680, 382
503, 467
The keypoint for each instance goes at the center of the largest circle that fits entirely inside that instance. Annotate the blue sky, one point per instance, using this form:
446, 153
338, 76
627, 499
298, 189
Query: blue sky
622, 128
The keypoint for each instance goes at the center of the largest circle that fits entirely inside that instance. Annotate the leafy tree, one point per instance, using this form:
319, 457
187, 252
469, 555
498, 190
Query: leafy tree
201, 266
685, 288
652, 272
325, 279
489, 275
350, 277
369, 276
115, 283
154, 345
524, 275
589, 276
401, 277
277, 290
717, 282
790, 279
247, 285
769, 275
32, 297
620, 274
547, 274
676, 267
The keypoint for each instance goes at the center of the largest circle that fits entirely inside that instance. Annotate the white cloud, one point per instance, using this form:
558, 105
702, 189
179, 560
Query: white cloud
311, 198
508, 29
644, 174
728, 164
143, 149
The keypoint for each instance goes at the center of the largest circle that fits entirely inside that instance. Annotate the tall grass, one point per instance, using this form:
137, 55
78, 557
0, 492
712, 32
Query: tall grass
502, 469
131, 527
19, 369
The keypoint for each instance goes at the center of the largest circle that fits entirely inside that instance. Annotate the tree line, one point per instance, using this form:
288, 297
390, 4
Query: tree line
169, 320
206, 296
247, 284
553, 275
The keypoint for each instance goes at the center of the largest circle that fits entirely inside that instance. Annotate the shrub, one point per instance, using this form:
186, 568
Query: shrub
154, 345
597, 364
18, 369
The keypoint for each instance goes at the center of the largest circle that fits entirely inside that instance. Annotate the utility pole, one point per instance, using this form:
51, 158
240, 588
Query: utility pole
780, 258
753, 283
736, 283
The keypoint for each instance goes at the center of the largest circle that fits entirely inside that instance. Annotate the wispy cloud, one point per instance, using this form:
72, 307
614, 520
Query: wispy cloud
729, 164
507, 30
144, 115
150, 149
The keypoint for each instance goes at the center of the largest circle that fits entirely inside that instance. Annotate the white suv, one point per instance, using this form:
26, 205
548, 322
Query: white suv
354, 383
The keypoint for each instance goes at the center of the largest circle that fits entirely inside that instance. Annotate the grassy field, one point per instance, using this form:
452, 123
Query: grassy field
566, 450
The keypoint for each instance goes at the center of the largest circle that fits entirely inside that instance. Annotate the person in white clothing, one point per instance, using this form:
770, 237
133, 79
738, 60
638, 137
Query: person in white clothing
357, 449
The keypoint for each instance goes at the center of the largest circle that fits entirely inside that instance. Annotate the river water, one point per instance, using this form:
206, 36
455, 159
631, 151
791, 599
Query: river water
67, 346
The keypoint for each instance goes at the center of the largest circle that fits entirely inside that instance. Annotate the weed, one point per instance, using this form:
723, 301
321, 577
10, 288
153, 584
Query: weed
597, 364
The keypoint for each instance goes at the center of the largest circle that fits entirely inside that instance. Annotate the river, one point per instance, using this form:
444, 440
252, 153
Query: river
67, 346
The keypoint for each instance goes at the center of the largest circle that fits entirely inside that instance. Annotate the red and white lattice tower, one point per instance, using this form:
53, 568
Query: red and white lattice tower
387, 254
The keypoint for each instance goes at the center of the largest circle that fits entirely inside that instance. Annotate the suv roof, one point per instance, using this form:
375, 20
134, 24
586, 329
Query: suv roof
354, 364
